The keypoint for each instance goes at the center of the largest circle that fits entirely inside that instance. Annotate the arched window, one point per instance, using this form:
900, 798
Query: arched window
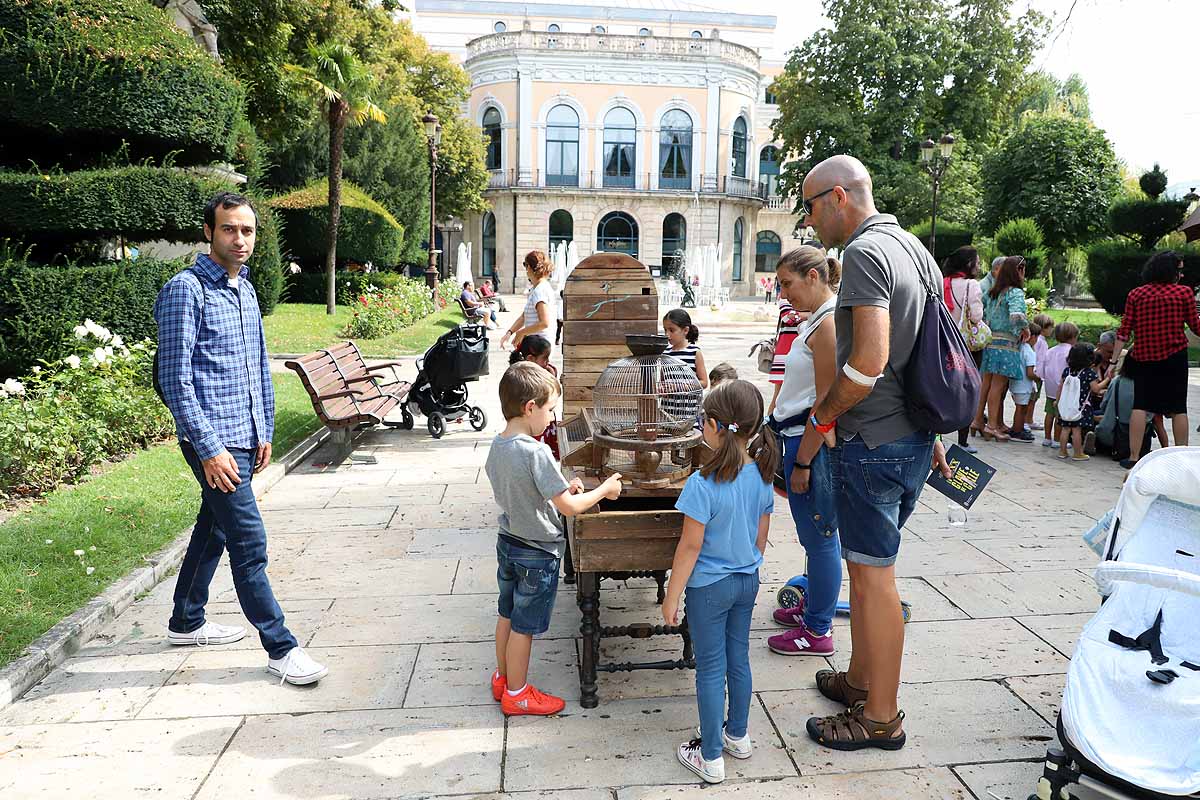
599, 29
767, 249
697, 35
500, 27
617, 233
644, 32
770, 98
489, 245
491, 137
562, 228
739, 147
739, 229
674, 241
562, 147
620, 137
675, 151
553, 28
768, 169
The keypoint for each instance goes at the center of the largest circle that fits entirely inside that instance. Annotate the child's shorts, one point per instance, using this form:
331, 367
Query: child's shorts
1022, 398
1051, 406
528, 580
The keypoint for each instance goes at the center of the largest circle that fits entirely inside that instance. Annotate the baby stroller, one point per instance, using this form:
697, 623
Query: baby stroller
440, 388
1130, 719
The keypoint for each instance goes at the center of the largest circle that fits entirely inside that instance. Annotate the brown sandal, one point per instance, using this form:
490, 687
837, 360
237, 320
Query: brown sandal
851, 730
833, 684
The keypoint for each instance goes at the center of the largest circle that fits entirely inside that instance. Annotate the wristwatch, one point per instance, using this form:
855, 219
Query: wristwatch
798, 465
826, 428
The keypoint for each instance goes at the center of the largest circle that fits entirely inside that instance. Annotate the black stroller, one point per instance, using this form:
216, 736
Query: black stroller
440, 389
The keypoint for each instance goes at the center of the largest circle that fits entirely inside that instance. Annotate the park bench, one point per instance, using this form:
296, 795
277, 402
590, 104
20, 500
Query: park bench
347, 394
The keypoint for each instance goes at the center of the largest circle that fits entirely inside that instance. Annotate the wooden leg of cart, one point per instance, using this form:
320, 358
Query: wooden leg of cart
568, 564
588, 595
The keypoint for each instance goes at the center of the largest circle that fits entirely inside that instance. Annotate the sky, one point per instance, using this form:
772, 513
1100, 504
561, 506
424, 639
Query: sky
1139, 59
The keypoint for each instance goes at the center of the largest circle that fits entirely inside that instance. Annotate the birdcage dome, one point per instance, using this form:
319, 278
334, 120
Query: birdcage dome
647, 398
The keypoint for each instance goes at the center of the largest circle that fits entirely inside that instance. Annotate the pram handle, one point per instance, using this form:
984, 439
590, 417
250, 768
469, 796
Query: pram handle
1175, 580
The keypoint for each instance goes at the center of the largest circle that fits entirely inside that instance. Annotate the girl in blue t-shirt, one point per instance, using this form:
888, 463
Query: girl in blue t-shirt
727, 511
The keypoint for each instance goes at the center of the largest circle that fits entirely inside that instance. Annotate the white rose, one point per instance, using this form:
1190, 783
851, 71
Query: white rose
81, 332
73, 362
117, 341
36, 370
98, 355
14, 387
3, 394
108, 351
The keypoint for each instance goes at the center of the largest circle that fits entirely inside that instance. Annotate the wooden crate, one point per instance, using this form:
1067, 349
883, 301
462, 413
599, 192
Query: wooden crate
615, 541
608, 296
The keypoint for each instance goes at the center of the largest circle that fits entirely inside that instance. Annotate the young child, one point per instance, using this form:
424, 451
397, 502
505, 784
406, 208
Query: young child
1022, 389
1052, 371
727, 512
1079, 364
682, 335
787, 329
531, 493
536, 350
721, 372
1045, 326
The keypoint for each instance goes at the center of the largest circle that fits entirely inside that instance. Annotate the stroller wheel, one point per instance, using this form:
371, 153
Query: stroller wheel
478, 418
406, 419
437, 425
789, 596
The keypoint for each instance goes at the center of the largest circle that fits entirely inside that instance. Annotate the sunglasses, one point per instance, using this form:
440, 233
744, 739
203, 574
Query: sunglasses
806, 205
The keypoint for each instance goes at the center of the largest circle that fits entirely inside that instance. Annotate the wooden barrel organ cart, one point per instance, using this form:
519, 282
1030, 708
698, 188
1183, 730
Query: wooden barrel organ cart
630, 410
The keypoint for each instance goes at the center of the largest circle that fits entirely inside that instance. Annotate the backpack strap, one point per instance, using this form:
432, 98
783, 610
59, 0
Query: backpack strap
918, 263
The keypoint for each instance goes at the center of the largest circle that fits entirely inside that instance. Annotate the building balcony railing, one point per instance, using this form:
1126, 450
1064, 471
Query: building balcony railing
779, 203
729, 185
661, 46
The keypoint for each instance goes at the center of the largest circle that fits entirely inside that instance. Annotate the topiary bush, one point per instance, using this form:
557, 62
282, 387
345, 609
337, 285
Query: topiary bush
266, 265
366, 232
1115, 267
87, 75
1146, 221
39, 306
1153, 182
950, 237
1022, 237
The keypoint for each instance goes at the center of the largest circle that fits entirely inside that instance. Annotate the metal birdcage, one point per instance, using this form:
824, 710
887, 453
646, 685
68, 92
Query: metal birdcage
646, 398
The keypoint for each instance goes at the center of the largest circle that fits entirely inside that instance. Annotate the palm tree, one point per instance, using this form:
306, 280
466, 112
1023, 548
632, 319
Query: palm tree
342, 85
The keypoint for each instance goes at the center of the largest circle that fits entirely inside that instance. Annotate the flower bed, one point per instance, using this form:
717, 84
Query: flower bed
379, 311
95, 404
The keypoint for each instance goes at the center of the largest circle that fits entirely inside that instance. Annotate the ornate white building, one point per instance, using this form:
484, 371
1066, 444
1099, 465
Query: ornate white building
640, 126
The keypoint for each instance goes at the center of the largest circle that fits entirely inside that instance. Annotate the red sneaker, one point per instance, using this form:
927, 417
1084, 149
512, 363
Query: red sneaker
499, 684
531, 701
789, 617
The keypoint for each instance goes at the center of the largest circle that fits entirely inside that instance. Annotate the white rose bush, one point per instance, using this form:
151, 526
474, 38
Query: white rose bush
95, 404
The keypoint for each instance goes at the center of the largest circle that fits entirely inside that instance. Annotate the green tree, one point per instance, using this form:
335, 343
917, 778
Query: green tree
343, 88
1059, 171
1042, 93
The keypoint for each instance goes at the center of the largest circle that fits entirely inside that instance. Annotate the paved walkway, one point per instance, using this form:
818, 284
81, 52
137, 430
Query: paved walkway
384, 565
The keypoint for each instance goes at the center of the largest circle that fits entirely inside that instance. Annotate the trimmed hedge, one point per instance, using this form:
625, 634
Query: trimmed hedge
1115, 267
39, 306
950, 237
366, 230
1022, 237
309, 287
1146, 221
99, 72
266, 265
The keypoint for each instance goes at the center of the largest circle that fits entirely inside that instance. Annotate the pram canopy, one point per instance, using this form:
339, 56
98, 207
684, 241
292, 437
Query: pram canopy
1132, 702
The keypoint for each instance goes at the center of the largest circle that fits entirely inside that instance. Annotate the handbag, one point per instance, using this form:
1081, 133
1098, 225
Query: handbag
766, 349
976, 334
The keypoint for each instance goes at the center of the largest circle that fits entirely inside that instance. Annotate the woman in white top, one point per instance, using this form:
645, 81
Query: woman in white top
806, 277
963, 295
539, 314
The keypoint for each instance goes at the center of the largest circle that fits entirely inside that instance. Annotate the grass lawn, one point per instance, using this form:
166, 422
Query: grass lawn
117, 517
304, 327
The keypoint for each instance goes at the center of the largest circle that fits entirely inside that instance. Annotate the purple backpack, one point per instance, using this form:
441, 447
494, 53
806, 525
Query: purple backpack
941, 383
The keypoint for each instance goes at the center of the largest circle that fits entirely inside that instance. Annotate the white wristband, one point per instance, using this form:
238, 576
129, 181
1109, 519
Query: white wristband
858, 377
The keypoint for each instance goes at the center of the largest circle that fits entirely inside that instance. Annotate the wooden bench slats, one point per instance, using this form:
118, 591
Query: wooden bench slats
345, 391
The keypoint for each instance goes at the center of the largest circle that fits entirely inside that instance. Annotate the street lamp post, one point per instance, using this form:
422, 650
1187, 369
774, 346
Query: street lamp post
433, 134
935, 164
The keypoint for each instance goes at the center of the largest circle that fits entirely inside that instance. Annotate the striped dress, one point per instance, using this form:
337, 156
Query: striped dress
688, 356
789, 328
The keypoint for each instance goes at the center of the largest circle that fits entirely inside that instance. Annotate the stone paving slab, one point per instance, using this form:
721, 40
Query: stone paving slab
1013, 780
973, 649
624, 743
460, 674
454, 513
1013, 594
1043, 693
454, 476
944, 557
349, 574
311, 520
1046, 552
914, 784
952, 722
215, 682
111, 760
430, 542
362, 755
353, 497
1060, 630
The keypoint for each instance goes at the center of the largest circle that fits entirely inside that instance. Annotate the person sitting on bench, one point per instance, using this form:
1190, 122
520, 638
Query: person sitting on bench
473, 307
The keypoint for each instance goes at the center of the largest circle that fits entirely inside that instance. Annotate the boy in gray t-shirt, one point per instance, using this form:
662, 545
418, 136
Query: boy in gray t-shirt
531, 492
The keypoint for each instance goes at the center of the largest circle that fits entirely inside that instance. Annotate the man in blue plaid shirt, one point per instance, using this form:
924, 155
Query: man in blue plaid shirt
215, 379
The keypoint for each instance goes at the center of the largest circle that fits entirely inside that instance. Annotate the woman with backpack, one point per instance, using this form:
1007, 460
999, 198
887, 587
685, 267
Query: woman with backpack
1004, 311
964, 298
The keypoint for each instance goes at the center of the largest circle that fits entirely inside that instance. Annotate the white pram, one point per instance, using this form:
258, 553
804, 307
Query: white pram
1130, 719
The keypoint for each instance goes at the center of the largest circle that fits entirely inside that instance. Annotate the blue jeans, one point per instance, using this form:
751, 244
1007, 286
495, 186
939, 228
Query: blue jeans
528, 581
718, 617
229, 521
877, 491
815, 515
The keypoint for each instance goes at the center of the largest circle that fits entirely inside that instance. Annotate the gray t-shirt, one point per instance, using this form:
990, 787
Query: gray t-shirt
879, 271
524, 479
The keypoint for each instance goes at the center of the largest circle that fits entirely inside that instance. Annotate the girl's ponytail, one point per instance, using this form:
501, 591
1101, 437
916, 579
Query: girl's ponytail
693, 333
737, 408
766, 453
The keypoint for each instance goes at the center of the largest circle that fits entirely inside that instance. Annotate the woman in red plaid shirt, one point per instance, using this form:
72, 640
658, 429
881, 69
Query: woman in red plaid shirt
1156, 313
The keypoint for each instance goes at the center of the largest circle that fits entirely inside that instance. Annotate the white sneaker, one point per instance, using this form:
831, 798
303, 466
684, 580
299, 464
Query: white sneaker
297, 668
738, 748
691, 757
208, 633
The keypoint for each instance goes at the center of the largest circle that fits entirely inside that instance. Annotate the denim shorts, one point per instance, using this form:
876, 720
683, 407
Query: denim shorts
1022, 398
528, 579
877, 492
